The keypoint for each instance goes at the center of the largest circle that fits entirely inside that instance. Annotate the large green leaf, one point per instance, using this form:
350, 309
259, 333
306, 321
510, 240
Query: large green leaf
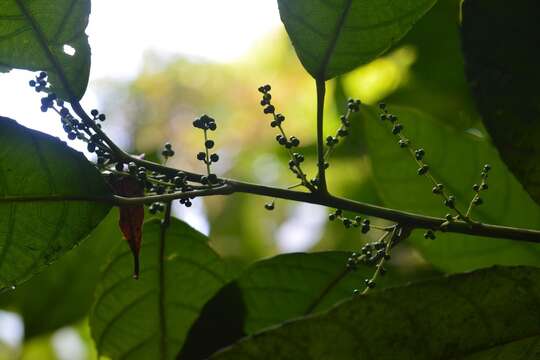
333, 37
150, 318
455, 159
46, 200
436, 82
275, 290
74, 276
33, 35
446, 318
501, 44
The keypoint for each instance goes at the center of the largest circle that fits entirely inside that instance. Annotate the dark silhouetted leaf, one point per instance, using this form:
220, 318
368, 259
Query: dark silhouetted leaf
501, 44
445, 318
275, 290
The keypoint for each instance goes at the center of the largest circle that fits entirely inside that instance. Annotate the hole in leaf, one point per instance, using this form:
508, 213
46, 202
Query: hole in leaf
69, 50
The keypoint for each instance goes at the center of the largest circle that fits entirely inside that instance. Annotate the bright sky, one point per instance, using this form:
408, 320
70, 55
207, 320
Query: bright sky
121, 31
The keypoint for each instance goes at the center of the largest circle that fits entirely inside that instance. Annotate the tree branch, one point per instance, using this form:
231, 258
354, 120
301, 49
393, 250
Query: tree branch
321, 197
406, 219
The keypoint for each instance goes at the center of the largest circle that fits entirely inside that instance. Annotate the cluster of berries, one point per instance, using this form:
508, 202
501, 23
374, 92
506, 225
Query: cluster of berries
477, 200
74, 128
40, 82
352, 107
282, 139
206, 123
278, 119
364, 224
372, 253
151, 181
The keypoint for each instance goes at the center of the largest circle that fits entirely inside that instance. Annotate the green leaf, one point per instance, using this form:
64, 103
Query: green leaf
150, 317
446, 318
436, 82
455, 159
63, 293
33, 35
272, 291
500, 45
333, 37
48, 195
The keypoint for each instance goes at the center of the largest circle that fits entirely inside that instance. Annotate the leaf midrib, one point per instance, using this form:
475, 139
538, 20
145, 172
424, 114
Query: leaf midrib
321, 74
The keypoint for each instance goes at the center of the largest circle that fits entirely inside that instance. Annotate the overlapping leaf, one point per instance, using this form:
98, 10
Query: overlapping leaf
456, 159
469, 316
34, 35
74, 276
150, 317
51, 197
333, 37
501, 44
273, 291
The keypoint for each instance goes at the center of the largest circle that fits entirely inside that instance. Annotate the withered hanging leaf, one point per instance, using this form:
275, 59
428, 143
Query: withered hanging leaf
131, 217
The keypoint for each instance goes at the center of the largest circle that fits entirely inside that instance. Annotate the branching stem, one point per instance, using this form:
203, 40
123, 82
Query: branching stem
321, 197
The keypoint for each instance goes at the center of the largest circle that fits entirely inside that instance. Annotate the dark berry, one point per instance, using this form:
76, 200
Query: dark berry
294, 141
396, 129
370, 283
209, 144
269, 206
423, 169
478, 201
212, 178
214, 157
201, 156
